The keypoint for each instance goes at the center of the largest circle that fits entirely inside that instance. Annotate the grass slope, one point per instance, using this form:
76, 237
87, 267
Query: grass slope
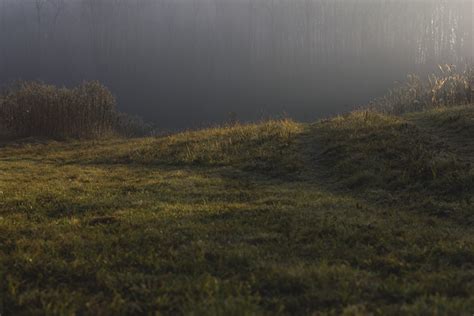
360, 214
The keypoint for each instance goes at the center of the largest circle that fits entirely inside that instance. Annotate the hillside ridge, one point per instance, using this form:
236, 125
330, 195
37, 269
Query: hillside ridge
360, 214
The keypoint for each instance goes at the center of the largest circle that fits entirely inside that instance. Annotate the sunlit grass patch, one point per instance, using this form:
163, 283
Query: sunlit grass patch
266, 146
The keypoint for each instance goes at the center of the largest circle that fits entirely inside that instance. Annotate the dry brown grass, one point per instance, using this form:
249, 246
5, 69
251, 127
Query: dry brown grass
449, 87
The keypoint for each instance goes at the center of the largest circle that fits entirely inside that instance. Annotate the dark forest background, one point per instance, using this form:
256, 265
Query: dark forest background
187, 63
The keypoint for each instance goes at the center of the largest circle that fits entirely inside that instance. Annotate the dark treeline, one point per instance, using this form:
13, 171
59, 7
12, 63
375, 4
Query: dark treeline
183, 63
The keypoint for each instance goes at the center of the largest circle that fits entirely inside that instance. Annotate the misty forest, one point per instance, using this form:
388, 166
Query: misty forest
188, 63
236, 157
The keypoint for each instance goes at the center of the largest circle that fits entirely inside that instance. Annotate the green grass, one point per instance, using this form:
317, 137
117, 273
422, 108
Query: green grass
360, 214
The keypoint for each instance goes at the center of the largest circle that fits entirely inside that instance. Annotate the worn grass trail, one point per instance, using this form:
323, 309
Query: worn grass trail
344, 216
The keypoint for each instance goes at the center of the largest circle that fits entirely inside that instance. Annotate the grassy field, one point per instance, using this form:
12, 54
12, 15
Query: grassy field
355, 215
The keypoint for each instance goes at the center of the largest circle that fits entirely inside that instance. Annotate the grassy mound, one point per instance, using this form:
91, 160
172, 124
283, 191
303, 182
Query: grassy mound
457, 124
270, 147
379, 154
192, 223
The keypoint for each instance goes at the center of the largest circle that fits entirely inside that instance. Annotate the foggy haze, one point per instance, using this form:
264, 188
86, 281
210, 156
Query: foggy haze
187, 63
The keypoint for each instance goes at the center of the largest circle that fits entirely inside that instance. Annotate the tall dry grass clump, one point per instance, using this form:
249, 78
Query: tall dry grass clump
35, 109
449, 87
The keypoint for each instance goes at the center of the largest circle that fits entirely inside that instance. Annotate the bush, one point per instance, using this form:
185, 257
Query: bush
37, 109
448, 88
132, 126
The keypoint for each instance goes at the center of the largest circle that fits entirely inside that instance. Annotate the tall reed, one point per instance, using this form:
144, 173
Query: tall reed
86, 111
